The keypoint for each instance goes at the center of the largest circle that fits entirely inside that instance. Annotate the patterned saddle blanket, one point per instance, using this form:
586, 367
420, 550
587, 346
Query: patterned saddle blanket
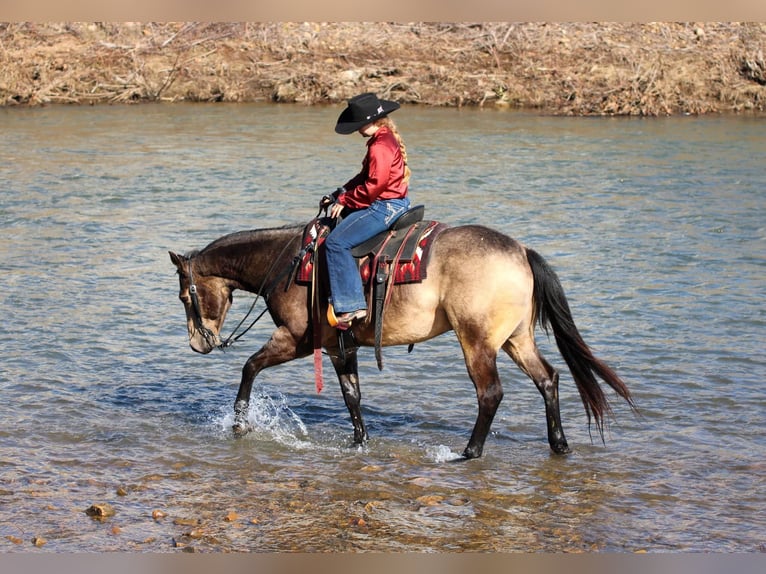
406, 250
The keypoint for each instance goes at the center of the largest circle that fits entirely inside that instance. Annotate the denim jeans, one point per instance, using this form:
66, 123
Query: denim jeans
345, 283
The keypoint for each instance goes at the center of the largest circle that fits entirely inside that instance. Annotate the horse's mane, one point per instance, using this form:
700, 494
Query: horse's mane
243, 237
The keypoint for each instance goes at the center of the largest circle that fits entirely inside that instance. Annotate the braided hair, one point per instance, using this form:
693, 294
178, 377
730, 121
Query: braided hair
389, 123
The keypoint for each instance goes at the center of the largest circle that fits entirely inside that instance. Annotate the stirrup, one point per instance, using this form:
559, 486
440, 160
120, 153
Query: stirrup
344, 321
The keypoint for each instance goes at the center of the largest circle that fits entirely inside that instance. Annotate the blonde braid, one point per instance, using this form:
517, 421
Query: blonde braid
389, 123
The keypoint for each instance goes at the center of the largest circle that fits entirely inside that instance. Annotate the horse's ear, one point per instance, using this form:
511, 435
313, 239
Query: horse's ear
177, 259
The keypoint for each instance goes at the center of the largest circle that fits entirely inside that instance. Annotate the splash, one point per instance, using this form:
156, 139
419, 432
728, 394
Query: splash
441, 454
270, 418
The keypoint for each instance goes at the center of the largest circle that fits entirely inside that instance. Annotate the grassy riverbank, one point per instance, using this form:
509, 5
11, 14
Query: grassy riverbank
570, 68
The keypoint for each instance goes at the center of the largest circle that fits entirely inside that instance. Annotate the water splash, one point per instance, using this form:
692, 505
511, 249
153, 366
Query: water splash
270, 418
441, 454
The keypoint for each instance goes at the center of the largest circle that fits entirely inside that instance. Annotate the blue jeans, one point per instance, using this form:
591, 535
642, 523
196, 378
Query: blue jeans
346, 290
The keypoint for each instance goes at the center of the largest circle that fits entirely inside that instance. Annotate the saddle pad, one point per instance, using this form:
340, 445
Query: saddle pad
410, 270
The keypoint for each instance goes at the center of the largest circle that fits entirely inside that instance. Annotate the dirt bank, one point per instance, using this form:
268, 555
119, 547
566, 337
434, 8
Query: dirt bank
572, 68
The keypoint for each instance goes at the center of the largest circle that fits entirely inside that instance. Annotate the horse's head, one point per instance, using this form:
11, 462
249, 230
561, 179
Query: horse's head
206, 299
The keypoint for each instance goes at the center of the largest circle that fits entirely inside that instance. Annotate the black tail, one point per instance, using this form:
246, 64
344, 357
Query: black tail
552, 310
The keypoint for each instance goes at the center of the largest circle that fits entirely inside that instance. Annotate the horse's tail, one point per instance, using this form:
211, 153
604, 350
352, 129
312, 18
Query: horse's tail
552, 310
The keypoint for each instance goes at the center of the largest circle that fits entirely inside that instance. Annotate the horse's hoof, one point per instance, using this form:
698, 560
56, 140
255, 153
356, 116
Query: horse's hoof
560, 449
241, 429
358, 444
461, 458
471, 453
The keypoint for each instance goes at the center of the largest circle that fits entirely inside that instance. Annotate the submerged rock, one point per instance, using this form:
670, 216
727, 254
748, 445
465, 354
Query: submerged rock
100, 511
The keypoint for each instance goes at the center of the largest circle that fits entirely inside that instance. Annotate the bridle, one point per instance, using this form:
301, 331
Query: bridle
199, 326
263, 291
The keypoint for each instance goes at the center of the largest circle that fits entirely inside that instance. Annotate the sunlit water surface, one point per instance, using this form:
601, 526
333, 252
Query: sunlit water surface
656, 228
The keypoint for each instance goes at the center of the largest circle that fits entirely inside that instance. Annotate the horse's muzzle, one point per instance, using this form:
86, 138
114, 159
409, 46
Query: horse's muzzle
203, 341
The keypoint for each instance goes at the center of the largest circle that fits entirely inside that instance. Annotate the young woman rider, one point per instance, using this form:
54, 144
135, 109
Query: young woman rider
369, 202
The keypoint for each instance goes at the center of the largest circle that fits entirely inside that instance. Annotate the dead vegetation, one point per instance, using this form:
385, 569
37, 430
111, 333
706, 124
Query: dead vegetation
570, 68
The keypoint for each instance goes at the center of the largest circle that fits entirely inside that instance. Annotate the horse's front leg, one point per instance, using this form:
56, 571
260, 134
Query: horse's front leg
347, 369
280, 348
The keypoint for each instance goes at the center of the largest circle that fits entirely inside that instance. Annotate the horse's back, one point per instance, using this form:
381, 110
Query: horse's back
481, 253
479, 239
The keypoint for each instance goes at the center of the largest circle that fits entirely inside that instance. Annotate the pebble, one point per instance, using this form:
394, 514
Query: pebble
100, 511
430, 500
186, 521
372, 505
421, 481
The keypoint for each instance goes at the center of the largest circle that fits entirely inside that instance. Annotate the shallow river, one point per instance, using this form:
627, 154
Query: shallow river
656, 227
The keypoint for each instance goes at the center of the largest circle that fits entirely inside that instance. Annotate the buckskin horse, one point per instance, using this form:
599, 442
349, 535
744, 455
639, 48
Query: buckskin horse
488, 288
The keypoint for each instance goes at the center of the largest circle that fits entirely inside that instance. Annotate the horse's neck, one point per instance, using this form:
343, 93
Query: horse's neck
251, 261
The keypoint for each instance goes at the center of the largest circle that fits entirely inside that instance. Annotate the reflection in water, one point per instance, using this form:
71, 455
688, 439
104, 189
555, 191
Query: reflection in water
655, 228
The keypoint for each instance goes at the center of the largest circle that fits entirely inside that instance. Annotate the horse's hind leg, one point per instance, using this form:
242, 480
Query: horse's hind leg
481, 361
347, 370
523, 350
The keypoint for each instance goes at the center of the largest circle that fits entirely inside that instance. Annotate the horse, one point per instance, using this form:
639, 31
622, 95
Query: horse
487, 287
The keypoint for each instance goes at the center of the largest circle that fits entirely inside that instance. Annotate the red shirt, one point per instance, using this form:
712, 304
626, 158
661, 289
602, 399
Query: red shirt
382, 175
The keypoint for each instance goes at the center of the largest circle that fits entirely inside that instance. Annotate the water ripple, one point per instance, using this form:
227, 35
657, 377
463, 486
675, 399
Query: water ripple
655, 228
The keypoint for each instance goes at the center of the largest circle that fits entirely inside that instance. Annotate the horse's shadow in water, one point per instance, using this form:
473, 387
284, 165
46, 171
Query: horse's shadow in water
485, 286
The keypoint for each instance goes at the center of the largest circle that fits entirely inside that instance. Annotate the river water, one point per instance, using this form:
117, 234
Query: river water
656, 228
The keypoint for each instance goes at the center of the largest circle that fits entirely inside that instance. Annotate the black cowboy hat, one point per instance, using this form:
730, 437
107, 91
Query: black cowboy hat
362, 110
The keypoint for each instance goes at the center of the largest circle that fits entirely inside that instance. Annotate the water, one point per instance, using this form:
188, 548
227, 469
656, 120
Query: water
656, 228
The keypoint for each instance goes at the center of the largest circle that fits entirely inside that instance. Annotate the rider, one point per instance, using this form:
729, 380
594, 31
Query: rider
369, 202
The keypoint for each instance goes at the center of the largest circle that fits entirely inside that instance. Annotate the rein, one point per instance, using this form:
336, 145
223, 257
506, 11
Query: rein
198, 324
262, 292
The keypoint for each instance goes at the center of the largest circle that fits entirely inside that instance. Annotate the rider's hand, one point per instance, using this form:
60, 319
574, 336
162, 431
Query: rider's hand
336, 209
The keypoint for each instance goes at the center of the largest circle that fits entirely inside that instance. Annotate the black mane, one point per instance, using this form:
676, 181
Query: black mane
241, 237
